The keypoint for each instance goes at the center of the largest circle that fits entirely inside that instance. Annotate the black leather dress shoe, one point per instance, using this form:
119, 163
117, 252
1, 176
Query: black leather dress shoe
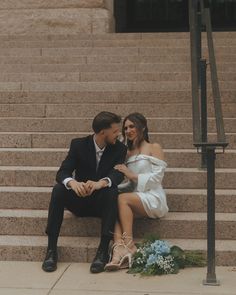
100, 260
50, 261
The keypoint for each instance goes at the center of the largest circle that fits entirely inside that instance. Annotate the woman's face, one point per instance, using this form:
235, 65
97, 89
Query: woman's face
131, 132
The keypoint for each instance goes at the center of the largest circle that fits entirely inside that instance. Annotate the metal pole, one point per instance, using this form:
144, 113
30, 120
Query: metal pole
214, 80
194, 71
203, 67
211, 275
199, 41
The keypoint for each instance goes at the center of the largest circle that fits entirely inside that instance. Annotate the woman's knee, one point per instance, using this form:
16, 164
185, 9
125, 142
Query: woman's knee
123, 199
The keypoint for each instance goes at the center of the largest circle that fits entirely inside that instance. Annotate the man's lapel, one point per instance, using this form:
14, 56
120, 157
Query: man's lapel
105, 159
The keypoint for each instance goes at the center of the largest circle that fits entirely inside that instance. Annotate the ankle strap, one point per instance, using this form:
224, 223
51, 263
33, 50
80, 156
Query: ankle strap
126, 237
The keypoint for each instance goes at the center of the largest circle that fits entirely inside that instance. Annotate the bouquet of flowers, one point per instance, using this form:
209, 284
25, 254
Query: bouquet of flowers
157, 257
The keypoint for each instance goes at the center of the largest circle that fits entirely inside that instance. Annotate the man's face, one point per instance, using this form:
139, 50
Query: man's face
111, 134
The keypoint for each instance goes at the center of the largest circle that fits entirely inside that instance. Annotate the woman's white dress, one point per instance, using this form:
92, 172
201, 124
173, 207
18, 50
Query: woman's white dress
150, 171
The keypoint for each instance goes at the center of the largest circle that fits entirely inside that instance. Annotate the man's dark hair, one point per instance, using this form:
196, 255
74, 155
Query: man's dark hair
104, 120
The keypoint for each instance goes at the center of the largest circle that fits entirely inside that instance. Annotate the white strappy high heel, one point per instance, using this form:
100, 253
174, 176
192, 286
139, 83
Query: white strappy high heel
124, 260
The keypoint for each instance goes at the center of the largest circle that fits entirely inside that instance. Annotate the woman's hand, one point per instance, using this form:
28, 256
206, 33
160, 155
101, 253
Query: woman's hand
128, 173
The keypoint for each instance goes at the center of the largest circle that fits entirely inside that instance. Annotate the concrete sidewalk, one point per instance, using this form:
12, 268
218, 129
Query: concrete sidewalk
27, 278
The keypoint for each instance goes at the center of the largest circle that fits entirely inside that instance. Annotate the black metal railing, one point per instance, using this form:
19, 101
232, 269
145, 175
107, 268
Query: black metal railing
199, 19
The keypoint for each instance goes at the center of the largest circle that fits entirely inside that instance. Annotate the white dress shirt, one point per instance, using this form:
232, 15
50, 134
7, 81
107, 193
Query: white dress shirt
99, 153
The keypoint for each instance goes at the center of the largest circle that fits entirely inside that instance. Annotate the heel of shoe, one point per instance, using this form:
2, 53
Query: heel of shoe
114, 252
126, 261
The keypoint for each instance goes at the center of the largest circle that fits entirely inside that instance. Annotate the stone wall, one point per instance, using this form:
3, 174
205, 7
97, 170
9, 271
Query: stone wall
54, 17
32, 4
109, 4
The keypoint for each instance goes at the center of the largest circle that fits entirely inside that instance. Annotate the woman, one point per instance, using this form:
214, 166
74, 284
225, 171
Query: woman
142, 194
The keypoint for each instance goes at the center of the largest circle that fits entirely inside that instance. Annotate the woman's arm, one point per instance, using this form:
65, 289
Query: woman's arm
153, 178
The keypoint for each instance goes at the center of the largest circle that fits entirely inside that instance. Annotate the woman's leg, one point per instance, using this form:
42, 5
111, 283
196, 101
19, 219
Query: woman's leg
130, 206
117, 232
118, 249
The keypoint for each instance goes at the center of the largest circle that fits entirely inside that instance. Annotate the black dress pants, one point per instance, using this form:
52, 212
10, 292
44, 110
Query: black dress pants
102, 203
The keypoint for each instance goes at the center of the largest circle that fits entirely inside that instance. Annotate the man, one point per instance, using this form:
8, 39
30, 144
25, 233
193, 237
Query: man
92, 191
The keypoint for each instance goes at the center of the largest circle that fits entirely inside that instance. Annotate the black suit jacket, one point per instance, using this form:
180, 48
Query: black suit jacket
81, 160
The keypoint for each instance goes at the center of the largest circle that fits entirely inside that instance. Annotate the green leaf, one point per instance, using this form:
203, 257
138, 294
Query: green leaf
195, 258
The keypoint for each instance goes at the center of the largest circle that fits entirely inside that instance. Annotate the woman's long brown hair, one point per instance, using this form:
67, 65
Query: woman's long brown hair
140, 123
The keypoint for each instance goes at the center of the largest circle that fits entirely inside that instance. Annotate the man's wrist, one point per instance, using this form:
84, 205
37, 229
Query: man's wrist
69, 183
108, 180
66, 181
104, 182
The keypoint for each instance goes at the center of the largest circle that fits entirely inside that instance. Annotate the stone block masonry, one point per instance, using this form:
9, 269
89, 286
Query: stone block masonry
54, 17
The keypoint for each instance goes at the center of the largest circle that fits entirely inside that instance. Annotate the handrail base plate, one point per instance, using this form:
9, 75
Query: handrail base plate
211, 283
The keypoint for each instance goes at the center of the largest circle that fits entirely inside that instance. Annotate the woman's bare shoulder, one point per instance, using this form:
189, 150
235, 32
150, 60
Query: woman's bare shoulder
156, 151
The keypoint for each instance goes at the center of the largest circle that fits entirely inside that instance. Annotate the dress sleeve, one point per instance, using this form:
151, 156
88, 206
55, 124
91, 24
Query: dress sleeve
126, 187
152, 179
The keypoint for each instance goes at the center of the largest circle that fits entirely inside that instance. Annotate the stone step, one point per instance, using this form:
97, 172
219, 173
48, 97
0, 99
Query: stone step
142, 50
83, 249
180, 58
103, 77
195, 200
24, 197
103, 86
111, 51
99, 59
125, 43
156, 67
62, 139
152, 76
112, 96
174, 177
163, 124
79, 110
64, 60
32, 4
185, 158
73, 249
180, 225
105, 40
179, 200
140, 68
55, 21
112, 36
71, 68
191, 159
107, 77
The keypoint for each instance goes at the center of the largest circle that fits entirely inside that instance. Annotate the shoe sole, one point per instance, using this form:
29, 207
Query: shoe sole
49, 269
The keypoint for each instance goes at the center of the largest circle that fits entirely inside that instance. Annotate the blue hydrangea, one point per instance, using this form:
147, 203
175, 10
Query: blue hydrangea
160, 247
151, 260
155, 258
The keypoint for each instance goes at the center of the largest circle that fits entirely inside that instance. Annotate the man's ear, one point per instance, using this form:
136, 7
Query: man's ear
101, 134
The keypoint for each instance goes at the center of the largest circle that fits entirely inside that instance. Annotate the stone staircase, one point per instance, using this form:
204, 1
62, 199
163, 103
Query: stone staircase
51, 86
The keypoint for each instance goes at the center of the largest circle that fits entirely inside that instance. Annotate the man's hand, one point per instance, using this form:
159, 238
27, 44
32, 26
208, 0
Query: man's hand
95, 185
80, 188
